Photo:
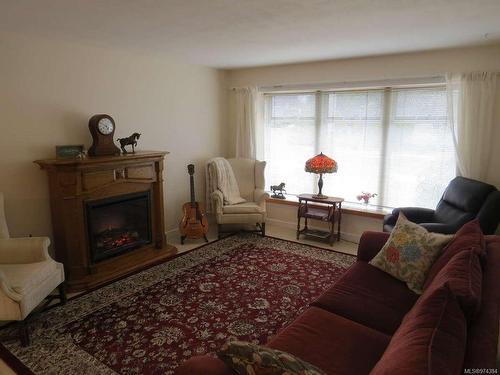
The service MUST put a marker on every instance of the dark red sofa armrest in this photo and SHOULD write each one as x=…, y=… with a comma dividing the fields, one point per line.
x=370, y=244
x=203, y=365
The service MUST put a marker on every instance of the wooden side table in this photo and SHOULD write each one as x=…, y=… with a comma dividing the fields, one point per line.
x=326, y=210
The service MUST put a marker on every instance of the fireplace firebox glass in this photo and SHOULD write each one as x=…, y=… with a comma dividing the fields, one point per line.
x=118, y=224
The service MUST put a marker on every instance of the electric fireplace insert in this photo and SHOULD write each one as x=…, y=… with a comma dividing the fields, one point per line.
x=118, y=224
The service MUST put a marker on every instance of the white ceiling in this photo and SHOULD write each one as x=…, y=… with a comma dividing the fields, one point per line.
x=242, y=33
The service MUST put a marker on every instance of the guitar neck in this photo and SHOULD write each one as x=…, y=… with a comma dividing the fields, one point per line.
x=191, y=184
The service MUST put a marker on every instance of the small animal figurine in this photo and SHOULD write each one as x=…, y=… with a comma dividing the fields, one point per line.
x=82, y=155
x=129, y=141
x=278, y=190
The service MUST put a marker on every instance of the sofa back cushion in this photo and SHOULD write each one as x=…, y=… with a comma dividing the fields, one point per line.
x=410, y=252
x=463, y=275
x=431, y=339
x=470, y=235
x=482, y=333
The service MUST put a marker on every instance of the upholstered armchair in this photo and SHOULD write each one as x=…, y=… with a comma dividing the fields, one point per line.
x=463, y=200
x=249, y=175
x=27, y=275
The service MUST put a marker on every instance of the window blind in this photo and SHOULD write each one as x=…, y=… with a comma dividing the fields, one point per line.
x=394, y=142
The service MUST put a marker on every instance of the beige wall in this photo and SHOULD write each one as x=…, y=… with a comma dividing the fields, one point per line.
x=49, y=90
x=406, y=65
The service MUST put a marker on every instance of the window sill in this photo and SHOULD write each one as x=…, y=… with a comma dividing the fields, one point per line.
x=349, y=208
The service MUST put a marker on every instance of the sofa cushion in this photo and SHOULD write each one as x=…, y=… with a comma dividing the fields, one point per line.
x=470, y=235
x=243, y=208
x=410, y=252
x=246, y=358
x=25, y=277
x=482, y=336
x=431, y=338
x=370, y=244
x=332, y=343
x=463, y=275
x=370, y=297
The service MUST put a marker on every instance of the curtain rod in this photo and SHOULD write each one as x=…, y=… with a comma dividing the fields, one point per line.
x=422, y=80
x=356, y=84
x=440, y=79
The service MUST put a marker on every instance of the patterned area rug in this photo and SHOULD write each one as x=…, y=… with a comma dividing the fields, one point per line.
x=243, y=287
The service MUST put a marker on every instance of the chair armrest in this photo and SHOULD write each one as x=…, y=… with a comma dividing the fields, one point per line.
x=7, y=290
x=370, y=244
x=390, y=220
x=218, y=201
x=24, y=250
x=414, y=214
x=203, y=365
x=260, y=196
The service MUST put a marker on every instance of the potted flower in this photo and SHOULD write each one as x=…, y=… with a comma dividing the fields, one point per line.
x=365, y=196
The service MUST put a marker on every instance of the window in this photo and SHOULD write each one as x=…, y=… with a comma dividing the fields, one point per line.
x=394, y=142
x=290, y=139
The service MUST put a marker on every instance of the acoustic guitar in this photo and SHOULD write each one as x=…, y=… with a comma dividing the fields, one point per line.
x=194, y=223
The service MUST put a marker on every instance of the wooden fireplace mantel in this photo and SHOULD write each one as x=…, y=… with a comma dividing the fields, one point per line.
x=74, y=182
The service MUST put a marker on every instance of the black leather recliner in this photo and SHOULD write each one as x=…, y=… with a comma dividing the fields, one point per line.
x=463, y=200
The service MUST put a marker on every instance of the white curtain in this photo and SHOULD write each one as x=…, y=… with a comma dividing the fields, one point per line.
x=471, y=103
x=247, y=115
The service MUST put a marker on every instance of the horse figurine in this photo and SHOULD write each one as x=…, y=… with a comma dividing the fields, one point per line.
x=280, y=188
x=132, y=141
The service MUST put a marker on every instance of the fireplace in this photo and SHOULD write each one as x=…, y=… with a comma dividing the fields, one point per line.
x=107, y=216
x=118, y=224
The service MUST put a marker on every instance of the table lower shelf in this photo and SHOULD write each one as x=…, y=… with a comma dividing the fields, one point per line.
x=329, y=213
x=316, y=233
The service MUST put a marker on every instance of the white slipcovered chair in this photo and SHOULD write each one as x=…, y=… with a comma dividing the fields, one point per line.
x=249, y=175
x=27, y=275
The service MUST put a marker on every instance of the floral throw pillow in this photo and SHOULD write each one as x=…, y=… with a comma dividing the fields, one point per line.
x=249, y=359
x=410, y=252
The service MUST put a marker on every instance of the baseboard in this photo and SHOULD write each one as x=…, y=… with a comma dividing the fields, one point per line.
x=169, y=232
x=350, y=237
x=281, y=223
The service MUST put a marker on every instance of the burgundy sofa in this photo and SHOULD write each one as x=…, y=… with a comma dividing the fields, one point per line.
x=347, y=329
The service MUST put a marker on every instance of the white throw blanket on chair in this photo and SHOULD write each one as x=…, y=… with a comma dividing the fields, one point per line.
x=221, y=176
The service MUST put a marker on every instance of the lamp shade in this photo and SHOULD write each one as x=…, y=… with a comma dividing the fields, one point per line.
x=321, y=164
